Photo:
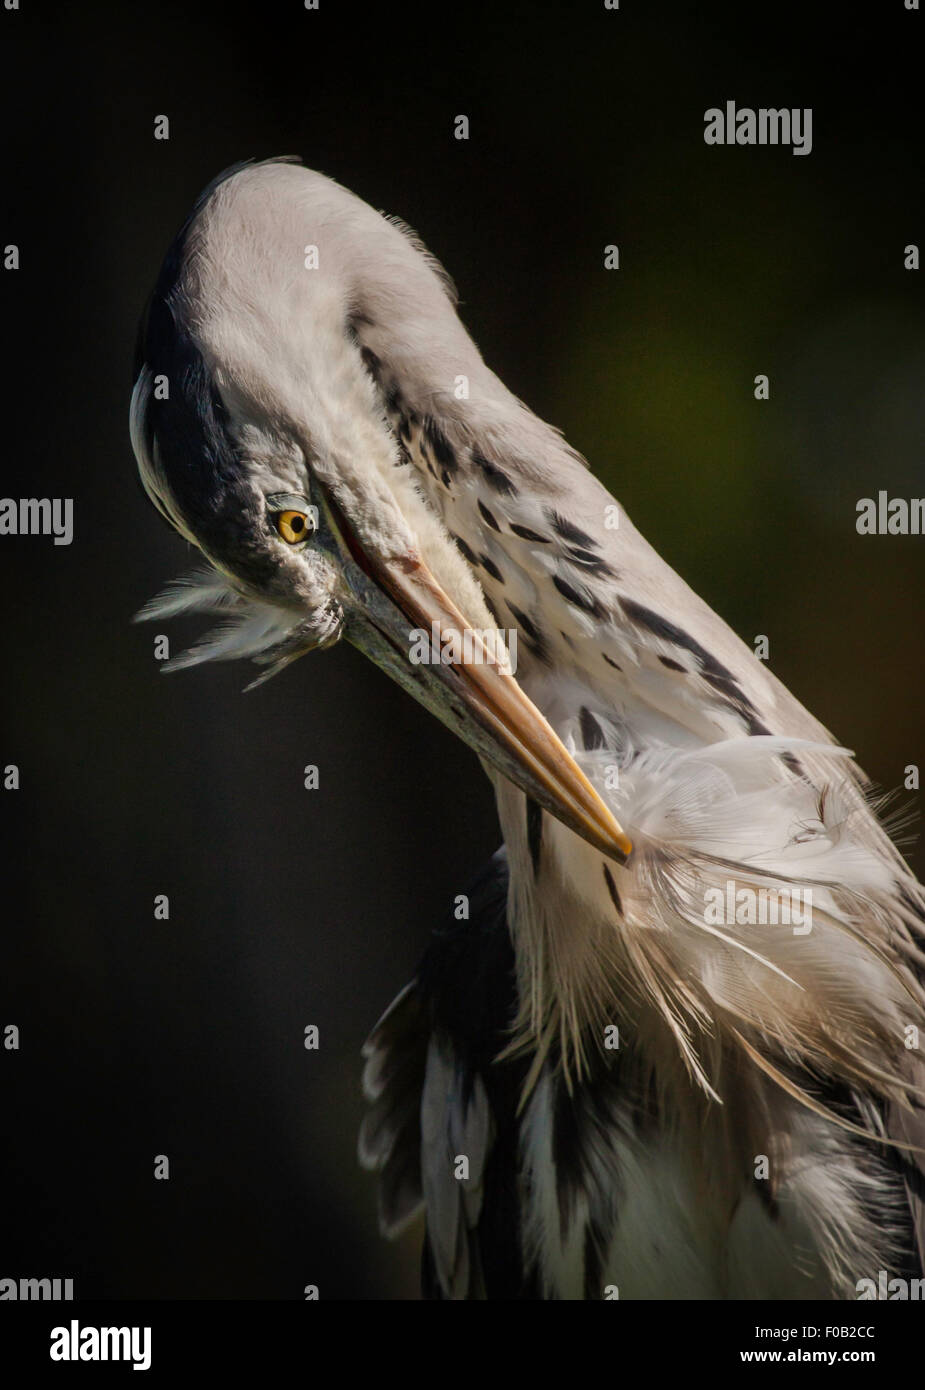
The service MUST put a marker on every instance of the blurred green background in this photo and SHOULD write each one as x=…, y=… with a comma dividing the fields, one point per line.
x=290, y=907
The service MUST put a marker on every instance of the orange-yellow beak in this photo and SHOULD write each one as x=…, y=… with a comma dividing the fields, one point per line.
x=474, y=694
x=492, y=695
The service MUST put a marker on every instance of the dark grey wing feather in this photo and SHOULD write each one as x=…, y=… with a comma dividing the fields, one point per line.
x=908, y=1126
x=390, y=1134
x=437, y=1096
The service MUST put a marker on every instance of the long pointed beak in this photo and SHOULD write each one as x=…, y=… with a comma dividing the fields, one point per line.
x=476, y=695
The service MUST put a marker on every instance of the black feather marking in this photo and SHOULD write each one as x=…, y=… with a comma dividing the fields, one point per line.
x=492, y=609
x=613, y=890
x=567, y=532
x=594, y=1262
x=726, y=684
x=531, y=631
x=491, y=568
x=529, y=626
x=466, y=550
x=661, y=627
x=534, y=831
x=610, y=662
x=441, y=446
x=372, y=362
x=486, y=514
x=526, y=534
x=713, y=671
x=670, y=662
x=581, y=1122
x=580, y=600
x=737, y=699
x=591, y=732
x=591, y=564
x=495, y=477
x=567, y=1155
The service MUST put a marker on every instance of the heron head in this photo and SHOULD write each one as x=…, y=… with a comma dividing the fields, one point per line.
x=262, y=435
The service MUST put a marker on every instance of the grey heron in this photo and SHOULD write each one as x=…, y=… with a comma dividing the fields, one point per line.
x=616, y=1077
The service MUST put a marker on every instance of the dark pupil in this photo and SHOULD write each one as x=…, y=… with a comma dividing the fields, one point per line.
x=296, y=523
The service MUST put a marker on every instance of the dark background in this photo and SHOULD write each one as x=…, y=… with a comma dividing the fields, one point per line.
x=290, y=907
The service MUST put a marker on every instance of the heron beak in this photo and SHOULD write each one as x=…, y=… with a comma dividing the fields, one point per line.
x=475, y=695
x=491, y=695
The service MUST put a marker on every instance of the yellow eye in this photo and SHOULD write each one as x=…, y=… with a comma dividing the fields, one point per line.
x=293, y=526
